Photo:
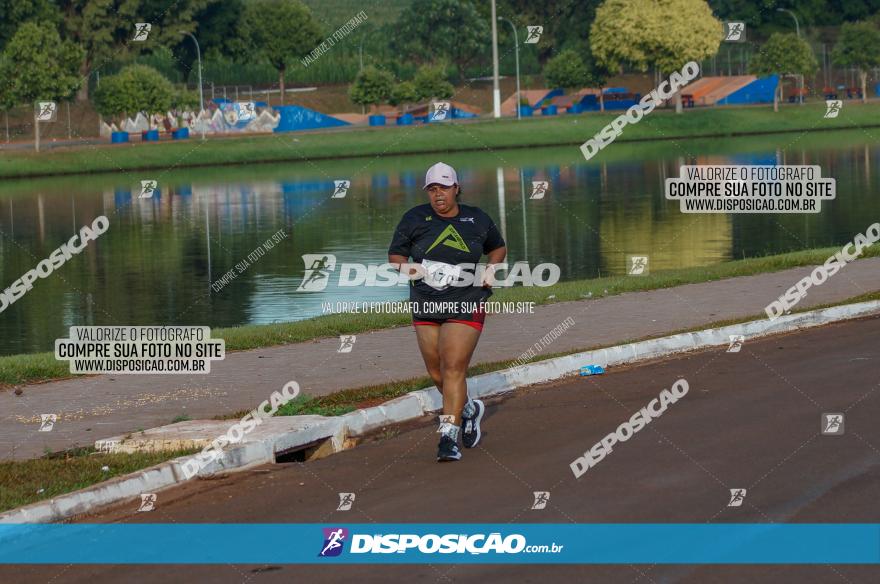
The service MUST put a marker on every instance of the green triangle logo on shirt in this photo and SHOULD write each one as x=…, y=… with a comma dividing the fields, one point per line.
x=451, y=238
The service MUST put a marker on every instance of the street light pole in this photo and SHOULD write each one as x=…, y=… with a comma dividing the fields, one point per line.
x=496, y=91
x=516, y=43
x=199, y=58
x=797, y=28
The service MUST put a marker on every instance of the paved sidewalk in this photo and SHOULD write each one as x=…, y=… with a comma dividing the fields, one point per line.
x=100, y=407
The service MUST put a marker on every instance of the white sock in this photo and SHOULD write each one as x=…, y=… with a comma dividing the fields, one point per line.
x=469, y=410
x=450, y=429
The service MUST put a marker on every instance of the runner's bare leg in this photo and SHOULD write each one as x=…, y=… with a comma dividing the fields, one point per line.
x=457, y=344
x=428, y=337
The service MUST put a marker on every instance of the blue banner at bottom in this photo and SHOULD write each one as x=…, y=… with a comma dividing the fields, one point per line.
x=415, y=543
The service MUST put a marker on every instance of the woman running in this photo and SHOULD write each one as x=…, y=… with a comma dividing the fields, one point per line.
x=441, y=236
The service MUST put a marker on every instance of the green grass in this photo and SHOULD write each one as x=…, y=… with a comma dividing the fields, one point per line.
x=31, y=368
x=28, y=481
x=443, y=137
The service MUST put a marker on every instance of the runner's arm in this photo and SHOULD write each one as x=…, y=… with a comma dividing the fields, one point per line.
x=401, y=263
x=496, y=256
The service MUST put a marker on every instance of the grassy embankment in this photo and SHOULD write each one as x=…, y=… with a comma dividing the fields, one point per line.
x=441, y=137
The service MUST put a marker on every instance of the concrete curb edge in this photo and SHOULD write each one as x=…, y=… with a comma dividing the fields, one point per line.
x=414, y=405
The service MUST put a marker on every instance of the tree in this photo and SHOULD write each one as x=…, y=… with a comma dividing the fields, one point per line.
x=105, y=28
x=13, y=13
x=37, y=66
x=566, y=70
x=283, y=31
x=403, y=93
x=371, y=87
x=598, y=76
x=222, y=34
x=429, y=30
x=136, y=88
x=858, y=46
x=562, y=22
x=664, y=34
x=430, y=82
x=185, y=99
x=784, y=54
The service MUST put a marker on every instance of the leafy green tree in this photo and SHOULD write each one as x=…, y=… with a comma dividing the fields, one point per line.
x=136, y=88
x=283, y=31
x=430, y=82
x=664, y=34
x=105, y=28
x=566, y=70
x=371, y=87
x=222, y=34
x=598, y=76
x=784, y=54
x=13, y=13
x=429, y=30
x=184, y=99
x=858, y=46
x=563, y=22
x=37, y=65
x=403, y=93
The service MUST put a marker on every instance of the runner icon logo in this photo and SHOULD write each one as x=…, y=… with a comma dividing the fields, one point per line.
x=541, y=499
x=318, y=268
x=334, y=541
x=46, y=111
x=341, y=188
x=734, y=32
x=47, y=422
x=832, y=108
x=737, y=496
x=148, y=187
x=638, y=265
x=346, y=500
x=346, y=343
x=534, y=34
x=736, y=342
x=440, y=110
x=148, y=502
x=142, y=31
x=539, y=189
x=832, y=424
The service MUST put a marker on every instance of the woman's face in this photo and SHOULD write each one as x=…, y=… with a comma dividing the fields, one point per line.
x=442, y=198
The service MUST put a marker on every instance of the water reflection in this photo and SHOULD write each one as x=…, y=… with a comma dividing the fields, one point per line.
x=161, y=254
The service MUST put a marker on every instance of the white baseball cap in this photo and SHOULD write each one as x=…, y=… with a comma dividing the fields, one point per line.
x=441, y=174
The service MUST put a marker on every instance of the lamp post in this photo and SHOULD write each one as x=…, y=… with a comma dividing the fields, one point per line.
x=516, y=43
x=797, y=28
x=199, y=58
x=496, y=91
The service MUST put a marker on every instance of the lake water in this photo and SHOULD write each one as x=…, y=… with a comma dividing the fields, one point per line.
x=158, y=260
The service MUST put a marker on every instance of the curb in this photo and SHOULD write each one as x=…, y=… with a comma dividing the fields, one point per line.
x=336, y=430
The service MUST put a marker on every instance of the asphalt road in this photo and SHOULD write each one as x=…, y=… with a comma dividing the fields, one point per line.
x=750, y=420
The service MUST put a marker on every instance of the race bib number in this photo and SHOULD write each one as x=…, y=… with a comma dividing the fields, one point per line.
x=439, y=275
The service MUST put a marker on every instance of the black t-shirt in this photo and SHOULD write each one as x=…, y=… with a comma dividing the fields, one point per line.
x=424, y=235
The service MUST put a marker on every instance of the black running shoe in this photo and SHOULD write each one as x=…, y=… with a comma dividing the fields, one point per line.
x=470, y=427
x=448, y=450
